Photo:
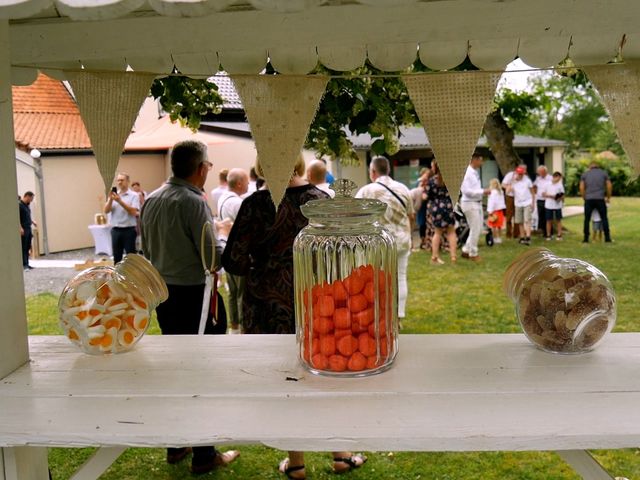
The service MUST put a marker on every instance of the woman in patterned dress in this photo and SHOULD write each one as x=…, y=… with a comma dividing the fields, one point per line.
x=440, y=208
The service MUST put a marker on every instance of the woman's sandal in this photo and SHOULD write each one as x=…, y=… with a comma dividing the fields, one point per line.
x=344, y=464
x=436, y=261
x=290, y=472
x=454, y=259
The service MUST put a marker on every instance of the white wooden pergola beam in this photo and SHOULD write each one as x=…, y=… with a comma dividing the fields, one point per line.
x=59, y=40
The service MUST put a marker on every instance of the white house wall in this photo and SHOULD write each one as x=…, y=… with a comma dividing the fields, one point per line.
x=27, y=181
x=75, y=193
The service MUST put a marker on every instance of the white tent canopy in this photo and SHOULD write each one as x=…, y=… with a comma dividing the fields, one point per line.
x=199, y=35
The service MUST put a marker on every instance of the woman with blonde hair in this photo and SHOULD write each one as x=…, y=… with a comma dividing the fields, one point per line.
x=495, y=209
x=260, y=246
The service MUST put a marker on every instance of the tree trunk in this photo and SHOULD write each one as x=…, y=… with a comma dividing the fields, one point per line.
x=500, y=139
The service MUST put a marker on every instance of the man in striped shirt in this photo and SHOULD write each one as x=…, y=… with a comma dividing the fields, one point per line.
x=397, y=218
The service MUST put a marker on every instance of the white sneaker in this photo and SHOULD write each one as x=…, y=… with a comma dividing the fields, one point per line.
x=497, y=240
x=235, y=331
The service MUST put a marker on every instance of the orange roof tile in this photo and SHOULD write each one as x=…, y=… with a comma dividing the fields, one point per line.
x=46, y=116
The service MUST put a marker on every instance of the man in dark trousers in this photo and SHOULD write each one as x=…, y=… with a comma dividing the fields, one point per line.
x=25, y=227
x=595, y=189
x=171, y=223
x=124, y=205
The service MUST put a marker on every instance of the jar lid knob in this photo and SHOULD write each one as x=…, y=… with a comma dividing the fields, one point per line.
x=343, y=187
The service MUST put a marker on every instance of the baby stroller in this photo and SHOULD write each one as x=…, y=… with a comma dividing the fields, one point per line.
x=462, y=227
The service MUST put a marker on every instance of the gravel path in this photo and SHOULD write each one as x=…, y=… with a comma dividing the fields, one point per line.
x=50, y=273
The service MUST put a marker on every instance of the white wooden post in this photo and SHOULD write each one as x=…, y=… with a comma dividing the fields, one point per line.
x=23, y=463
x=13, y=318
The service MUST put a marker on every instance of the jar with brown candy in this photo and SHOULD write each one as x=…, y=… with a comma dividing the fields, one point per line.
x=107, y=309
x=564, y=305
x=345, y=266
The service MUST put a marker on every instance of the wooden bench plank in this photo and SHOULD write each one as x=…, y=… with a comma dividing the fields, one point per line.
x=445, y=393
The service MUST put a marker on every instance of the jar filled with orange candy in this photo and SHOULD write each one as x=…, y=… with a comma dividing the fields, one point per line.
x=107, y=309
x=345, y=268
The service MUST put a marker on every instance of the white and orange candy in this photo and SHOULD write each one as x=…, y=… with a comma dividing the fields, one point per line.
x=102, y=317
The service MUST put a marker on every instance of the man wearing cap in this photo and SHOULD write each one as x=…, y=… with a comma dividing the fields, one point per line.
x=471, y=203
x=524, y=200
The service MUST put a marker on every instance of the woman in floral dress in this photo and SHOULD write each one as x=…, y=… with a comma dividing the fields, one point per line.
x=440, y=209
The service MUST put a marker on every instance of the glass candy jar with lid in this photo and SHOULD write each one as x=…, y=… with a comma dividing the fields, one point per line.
x=107, y=309
x=564, y=305
x=345, y=267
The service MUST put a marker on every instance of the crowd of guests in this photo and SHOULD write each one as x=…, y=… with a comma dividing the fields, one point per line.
x=253, y=241
x=515, y=207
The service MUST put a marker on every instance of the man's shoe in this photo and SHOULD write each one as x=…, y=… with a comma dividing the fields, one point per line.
x=475, y=259
x=219, y=460
x=176, y=455
x=608, y=240
x=465, y=255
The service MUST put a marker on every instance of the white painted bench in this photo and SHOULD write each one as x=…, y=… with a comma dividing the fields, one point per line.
x=444, y=393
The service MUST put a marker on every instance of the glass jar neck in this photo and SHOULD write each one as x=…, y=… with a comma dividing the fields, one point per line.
x=139, y=271
x=522, y=267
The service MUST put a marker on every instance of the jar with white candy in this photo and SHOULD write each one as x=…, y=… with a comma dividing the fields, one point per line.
x=107, y=309
x=564, y=305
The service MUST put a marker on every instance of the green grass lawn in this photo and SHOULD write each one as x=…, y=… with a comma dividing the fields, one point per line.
x=463, y=298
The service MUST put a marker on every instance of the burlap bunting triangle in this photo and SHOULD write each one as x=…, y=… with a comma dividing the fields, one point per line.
x=452, y=108
x=109, y=103
x=619, y=87
x=279, y=109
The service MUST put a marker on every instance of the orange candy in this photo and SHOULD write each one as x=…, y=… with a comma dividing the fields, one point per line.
x=322, y=325
x=354, y=283
x=325, y=306
x=340, y=293
x=337, y=363
x=357, y=303
x=382, y=281
x=327, y=345
x=341, y=332
x=366, y=272
x=319, y=361
x=382, y=329
x=357, y=362
x=374, y=362
x=344, y=331
x=347, y=345
x=364, y=318
x=320, y=290
x=366, y=344
x=368, y=292
x=342, y=318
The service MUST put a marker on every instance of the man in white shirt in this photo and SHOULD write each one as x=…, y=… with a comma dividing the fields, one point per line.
x=228, y=208
x=317, y=174
x=540, y=184
x=471, y=204
x=397, y=218
x=217, y=192
x=123, y=205
x=524, y=199
x=554, y=195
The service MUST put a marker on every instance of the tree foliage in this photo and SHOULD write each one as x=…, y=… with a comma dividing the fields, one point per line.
x=360, y=103
x=564, y=108
x=186, y=99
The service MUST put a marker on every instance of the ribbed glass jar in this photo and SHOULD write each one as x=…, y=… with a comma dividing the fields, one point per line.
x=107, y=309
x=345, y=269
x=564, y=305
